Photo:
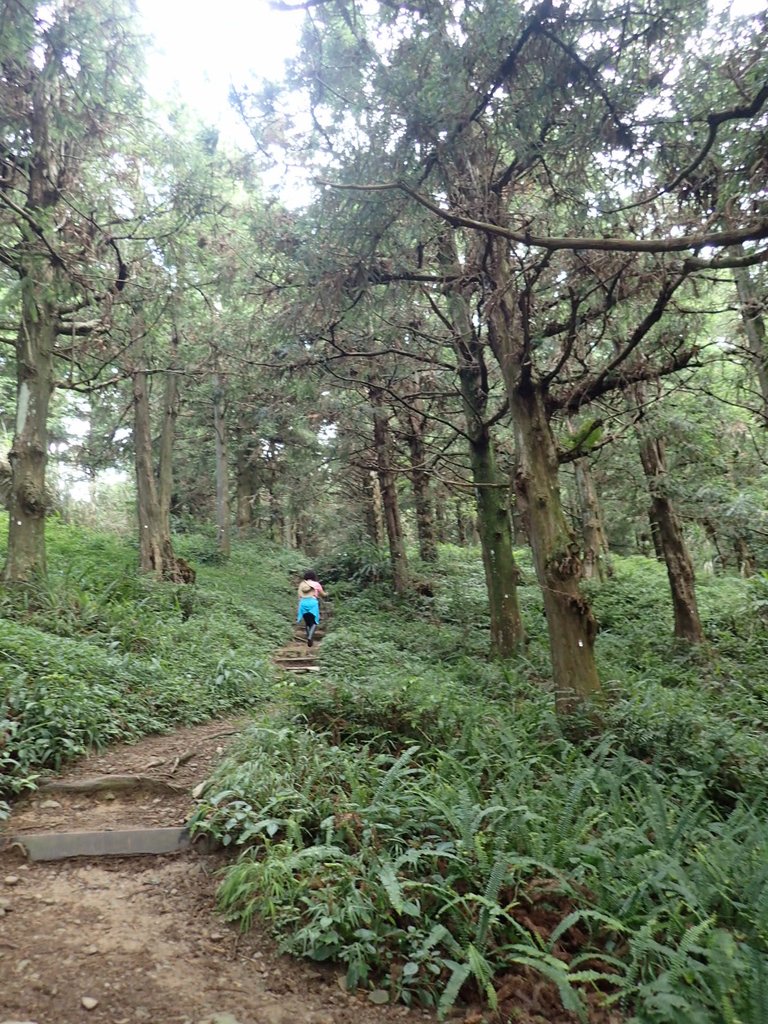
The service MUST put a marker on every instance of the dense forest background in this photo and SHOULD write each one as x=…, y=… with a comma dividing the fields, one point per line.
x=493, y=359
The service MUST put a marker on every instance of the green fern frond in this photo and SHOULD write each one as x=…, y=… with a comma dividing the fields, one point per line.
x=397, y=771
x=459, y=974
x=388, y=878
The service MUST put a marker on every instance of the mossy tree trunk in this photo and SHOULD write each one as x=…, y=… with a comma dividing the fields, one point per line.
x=671, y=540
x=246, y=489
x=595, y=558
x=441, y=521
x=373, y=507
x=28, y=457
x=414, y=426
x=495, y=530
x=556, y=553
x=222, y=467
x=387, y=482
x=156, y=555
x=494, y=524
x=365, y=494
x=571, y=624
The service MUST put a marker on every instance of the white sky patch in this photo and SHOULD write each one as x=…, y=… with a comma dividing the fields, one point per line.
x=82, y=488
x=201, y=52
x=76, y=426
x=737, y=8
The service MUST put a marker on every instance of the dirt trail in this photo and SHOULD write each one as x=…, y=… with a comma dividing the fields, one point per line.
x=136, y=940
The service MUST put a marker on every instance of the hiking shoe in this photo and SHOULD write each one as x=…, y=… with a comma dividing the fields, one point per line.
x=309, y=641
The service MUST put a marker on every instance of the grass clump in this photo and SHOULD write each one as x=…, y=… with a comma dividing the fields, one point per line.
x=419, y=816
x=99, y=653
x=417, y=813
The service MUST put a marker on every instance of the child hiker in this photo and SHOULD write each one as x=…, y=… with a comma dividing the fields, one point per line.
x=310, y=589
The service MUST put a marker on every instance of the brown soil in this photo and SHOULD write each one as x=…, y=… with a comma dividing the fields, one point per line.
x=140, y=935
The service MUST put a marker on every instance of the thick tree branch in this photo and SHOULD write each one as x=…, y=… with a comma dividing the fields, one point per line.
x=726, y=262
x=714, y=121
x=681, y=243
x=25, y=215
x=620, y=379
x=78, y=329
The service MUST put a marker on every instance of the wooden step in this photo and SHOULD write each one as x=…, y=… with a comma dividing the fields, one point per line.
x=294, y=663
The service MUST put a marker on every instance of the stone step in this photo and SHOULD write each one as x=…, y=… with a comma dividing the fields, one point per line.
x=123, y=842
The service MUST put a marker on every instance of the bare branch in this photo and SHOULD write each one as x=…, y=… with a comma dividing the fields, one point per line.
x=680, y=243
x=605, y=383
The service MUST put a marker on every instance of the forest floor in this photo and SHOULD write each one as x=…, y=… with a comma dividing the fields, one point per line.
x=136, y=940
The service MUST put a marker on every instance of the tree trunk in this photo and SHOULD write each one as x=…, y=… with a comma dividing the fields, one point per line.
x=441, y=524
x=654, y=532
x=495, y=529
x=246, y=489
x=754, y=328
x=425, y=520
x=570, y=622
x=222, y=468
x=595, y=559
x=274, y=509
x=461, y=524
x=168, y=433
x=289, y=531
x=521, y=530
x=155, y=548
x=494, y=524
x=744, y=557
x=373, y=507
x=40, y=285
x=28, y=457
x=305, y=534
x=386, y=477
x=152, y=546
x=719, y=561
x=670, y=534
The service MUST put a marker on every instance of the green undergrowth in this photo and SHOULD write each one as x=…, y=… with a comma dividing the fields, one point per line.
x=418, y=814
x=98, y=653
